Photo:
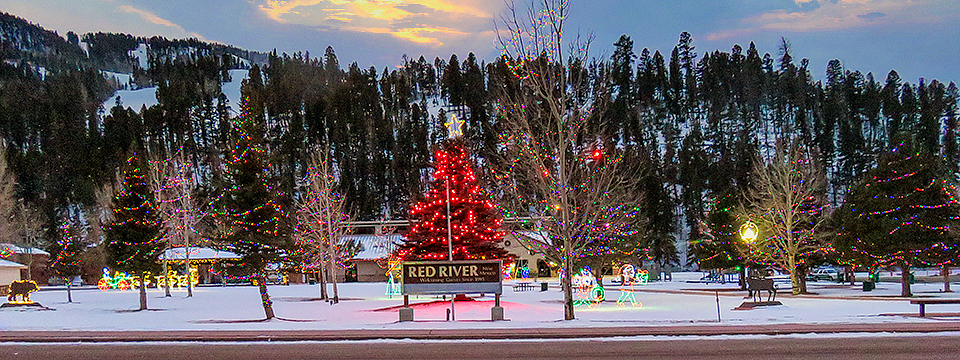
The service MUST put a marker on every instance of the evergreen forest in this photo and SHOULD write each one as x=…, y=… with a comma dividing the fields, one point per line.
x=697, y=122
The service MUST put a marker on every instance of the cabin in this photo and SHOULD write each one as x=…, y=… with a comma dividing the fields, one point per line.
x=33, y=260
x=9, y=272
x=372, y=262
x=202, y=258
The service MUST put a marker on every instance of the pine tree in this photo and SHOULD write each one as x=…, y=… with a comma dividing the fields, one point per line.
x=929, y=127
x=719, y=246
x=474, y=220
x=134, y=238
x=453, y=83
x=951, y=152
x=692, y=158
x=254, y=224
x=890, y=99
x=900, y=212
x=657, y=208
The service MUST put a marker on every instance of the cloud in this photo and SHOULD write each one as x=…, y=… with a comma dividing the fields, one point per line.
x=416, y=8
x=836, y=15
x=153, y=18
x=431, y=22
x=872, y=16
x=807, y=6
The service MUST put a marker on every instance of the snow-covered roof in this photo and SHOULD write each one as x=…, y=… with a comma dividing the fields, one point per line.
x=11, y=264
x=22, y=250
x=533, y=235
x=375, y=246
x=197, y=253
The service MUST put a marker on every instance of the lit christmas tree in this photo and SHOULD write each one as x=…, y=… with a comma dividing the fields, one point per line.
x=904, y=212
x=718, y=249
x=249, y=208
x=134, y=240
x=67, y=252
x=474, y=220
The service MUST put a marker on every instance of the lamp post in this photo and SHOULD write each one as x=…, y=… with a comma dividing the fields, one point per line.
x=454, y=130
x=748, y=232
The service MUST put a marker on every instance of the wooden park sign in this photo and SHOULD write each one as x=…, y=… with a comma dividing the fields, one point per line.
x=452, y=277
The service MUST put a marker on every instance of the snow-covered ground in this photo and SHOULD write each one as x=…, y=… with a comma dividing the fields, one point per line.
x=147, y=97
x=364, y=306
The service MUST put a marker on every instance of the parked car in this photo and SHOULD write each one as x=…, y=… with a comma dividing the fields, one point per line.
x=828, y=274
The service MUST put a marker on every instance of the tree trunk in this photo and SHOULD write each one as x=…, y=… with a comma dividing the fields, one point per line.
x=336, y=294
x=794, y=282
x=322, y=276
x=166, y=277
x=333, y=255
x=802, y=278
x=186, y=254
x=265, y=297
x=567, y=286
x=799, y=279
x=905, y=279
x=143, y=292
x=189, y=279
x=743, y=278
x=69, y=295
x=851, y=275
x=945, y=271
x=29, y=260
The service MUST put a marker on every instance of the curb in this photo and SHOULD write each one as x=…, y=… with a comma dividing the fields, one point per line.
x=466, y=334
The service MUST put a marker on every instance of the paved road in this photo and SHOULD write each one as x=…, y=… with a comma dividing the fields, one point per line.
x=931, y=326
x=781, y=348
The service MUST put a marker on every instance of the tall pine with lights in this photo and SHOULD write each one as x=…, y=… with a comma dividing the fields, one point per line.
x=134, y=240
x=904, y=212
x=718, y=249
x=249, y=209
x=474, y=220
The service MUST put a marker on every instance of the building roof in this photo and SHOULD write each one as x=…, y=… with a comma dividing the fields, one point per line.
x=197, y=253
x=375, y=246
x=22, y=250
x=11, y=264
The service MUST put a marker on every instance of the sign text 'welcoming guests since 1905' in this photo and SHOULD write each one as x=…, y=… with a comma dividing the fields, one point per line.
x=452, y=277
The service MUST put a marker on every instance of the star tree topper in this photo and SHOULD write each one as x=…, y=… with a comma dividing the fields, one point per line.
x=454, y=127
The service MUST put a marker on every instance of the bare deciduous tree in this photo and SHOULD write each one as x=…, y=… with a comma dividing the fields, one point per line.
x=174, y=182
x=556, y=168
x=786, y=201
x=321, y=223
x=9, y=228
x=20, y=223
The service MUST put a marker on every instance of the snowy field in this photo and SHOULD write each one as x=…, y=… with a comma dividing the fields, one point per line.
x=364, y=306
x=147, y=97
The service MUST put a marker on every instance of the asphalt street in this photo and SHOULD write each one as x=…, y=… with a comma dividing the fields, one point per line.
x=783, y=348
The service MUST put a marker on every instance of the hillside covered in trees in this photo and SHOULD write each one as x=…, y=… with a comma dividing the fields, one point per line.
x=696, y=121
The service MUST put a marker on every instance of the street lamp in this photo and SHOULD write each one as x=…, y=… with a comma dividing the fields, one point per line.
x=749, y=232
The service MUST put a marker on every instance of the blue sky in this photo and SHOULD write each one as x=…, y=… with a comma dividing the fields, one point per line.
x=918, y=38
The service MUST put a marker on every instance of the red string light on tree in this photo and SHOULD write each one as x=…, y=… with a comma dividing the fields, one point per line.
x=475, y=221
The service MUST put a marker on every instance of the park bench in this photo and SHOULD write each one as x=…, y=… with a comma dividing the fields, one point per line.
x=924, y=302
x=523, y=287
x=755, y=285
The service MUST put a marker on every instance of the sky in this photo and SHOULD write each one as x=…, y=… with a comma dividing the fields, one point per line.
x=918, y=38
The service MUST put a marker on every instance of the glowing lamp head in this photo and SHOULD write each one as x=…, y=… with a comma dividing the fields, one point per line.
x=749, y=232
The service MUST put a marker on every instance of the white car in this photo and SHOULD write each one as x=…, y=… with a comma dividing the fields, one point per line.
x=827, y=274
